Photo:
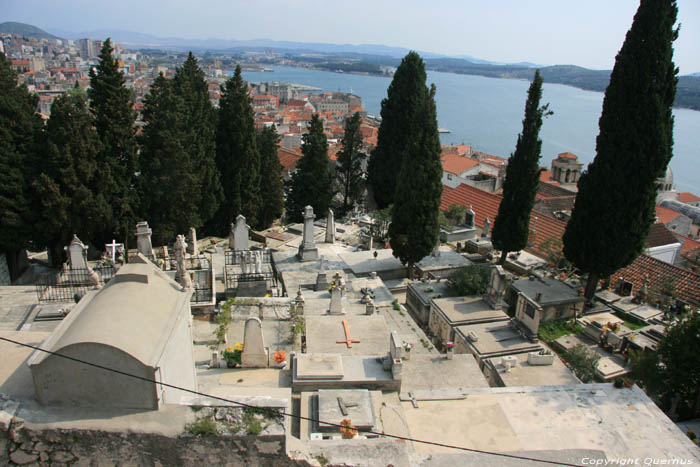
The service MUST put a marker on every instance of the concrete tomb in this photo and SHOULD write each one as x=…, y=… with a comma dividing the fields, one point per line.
x=240, y=234
x=254, y=352
x=330, y=227
x=77, y=253
x=319, y=366
x=307, y=249
x=497, y=287
x=334, y=405
x=143, y=239
x=348, y=341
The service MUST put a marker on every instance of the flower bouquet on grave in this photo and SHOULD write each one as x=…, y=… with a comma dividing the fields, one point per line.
x=280, y=356
x=347, y=429
x=232, y=355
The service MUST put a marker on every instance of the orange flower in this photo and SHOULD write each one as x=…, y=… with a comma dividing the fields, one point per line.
x=347, y=429
x=280, y=356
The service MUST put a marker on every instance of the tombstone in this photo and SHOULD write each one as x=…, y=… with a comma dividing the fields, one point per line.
x=396, y=349
x=307, y=249
x=469, y=217
x=369, y=307
x=497, y=286
x=321, y=281
x=300, y=298
x=182, y=276
x=487, y=227
x=114, y=248
x=231, y=240
x=643, y=292
x=143, y=239
x=254, y=354
x=240, y=234
x=77, y=253
x=624, y=288
x=192, y=247
x=338, y=298
x=330, y=227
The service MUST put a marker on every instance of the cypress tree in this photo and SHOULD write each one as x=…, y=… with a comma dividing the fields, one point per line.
x=405, y=99
x=414, y=225
x=512, y=227
x=272, y=196
x=350, y=162
x=312, y=183
x=111, y=106
x=199, y=137
x=68, y=198
x=237, y=154
x=169, y=180
x=19, y=128
x=614, y=207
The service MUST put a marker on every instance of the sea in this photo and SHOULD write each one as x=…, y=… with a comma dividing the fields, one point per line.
x=487, y=114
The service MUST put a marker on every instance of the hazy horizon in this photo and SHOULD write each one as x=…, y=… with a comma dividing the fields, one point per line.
x=549, y=32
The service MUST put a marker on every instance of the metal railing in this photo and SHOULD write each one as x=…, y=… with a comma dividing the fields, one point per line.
x=66, y=285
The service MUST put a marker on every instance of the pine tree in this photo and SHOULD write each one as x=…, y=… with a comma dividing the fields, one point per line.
x=614, y=207
x=272, y=196
x=512, y=226
x=169, y=180
x=67, y=194
x=199, y=137
x=19, y=128
x=312, y=183
x=350, y=162
x=399, y=127
x=414, y=225
x=237, y=155
x=111, y=106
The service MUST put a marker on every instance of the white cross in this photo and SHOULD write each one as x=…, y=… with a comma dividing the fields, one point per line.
x=114, y=250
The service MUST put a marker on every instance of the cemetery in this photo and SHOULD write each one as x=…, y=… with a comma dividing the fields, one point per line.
x=305, y=321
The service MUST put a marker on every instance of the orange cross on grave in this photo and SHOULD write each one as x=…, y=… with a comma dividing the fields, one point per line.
x=347, y=340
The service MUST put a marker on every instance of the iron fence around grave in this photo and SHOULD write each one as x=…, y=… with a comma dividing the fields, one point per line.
x=233, y=257
x=203, y=292
x=232, y=279
x=65, y=285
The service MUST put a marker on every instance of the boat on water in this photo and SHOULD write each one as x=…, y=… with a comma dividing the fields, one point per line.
x=444, y=130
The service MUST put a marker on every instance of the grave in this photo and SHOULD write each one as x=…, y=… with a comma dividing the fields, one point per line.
x=330, y=227
x=143, y=240
x=498, y=284
x=460, y=232
x=326, y=334
x=335, y=405
x=254, y=352
x=338, y=296
x=307, y=249
x=77, y=253
x=114, y=250
x=313, y=366
x=240, y=234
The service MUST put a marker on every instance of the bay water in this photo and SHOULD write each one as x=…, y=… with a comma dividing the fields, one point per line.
x=487, y=113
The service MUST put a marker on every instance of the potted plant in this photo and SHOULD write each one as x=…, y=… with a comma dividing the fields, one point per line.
x=280, y=358
x=407, y=350
x=450, y=350
x=232, y=355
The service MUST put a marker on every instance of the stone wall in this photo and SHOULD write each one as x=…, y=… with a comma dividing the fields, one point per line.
x=4, y=271
x=21, y=444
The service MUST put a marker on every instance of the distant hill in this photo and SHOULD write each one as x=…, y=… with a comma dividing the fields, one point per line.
x=26, y=30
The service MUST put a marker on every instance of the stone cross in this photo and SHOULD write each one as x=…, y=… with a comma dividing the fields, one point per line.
x=77, y=254
x=307, y=250
x=240, y=234
x=487, y=227
x=143, y=239
x=113, y=248
x=254, y=353
x=348, y=341
x=192, y=247
x=182, y=276
x=330, y=227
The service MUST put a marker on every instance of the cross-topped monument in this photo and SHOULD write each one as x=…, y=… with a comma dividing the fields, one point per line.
x=307, y=249
x=348, y=341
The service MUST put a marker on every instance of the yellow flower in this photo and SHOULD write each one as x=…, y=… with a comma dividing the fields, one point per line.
x=238, y=346
x=228, y=349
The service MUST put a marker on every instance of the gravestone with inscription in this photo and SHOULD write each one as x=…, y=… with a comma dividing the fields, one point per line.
x=240, y=234
x=254, y=353
x=143, y=239
x=330, y=227
x=77, y=253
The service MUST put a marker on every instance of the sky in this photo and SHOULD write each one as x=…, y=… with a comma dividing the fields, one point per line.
x=546, y=32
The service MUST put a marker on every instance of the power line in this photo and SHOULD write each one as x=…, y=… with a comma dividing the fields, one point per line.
x=285, y=414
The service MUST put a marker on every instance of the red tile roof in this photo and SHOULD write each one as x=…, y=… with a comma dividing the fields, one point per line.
x=486, y=204
x=659, y=235
x=288, y=157
x=456, y=164
x=687, y=283
x=545, y=177
x=689, y=244
x=686, y=197
x=567, y=155
x=666, y=215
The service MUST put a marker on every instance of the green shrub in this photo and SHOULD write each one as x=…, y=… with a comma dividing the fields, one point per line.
x=204, y=427
x=582, y=361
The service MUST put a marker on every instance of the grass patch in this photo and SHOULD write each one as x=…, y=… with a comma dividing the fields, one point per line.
x=204, y=427
x=630, y=322
x=321, y=459
x=196, y=408
x=253, y=424
x=549, y=332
